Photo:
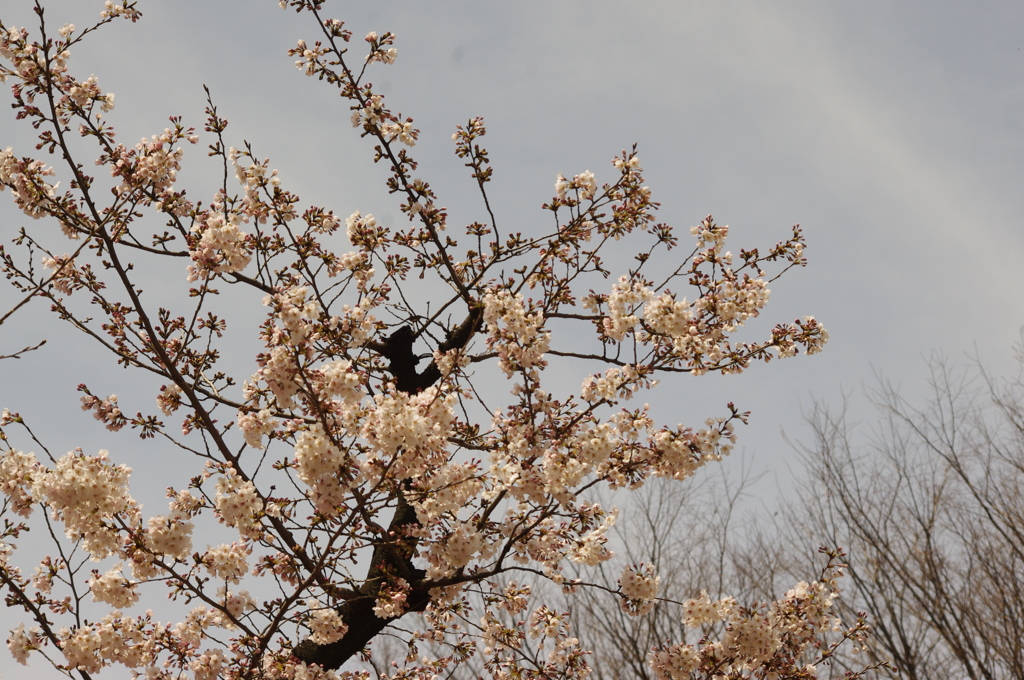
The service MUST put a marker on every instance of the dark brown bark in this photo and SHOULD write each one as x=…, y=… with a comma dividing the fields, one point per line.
x=397, y=349
x=392, y=556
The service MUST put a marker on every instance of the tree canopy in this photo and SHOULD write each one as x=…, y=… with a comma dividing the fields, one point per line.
x=394, y=462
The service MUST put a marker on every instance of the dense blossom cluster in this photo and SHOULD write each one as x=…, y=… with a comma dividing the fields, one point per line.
x=757, y=642
x=114, y=589
x=25, y=180
x=366, y=471
x=639, y=586
x=115, y=639
x=22, y=642
x=17, y=470
x=238, y=503
x=227, y=562
x=325, y=624
x=321, y=465
x=85, y=493
x=169, y=535
x=105, y=411
x=153, y=163
x=220, y=248
x=515, y=332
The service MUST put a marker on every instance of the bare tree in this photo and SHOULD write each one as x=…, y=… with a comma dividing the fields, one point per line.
x=929, y=506
x=705, y=535
x=686, y=530
x=931, y=512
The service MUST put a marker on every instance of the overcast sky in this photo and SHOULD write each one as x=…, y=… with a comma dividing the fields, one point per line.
x=892, y=132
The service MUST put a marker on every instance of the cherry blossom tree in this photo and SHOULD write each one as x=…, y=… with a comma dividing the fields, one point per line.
x=369, y=480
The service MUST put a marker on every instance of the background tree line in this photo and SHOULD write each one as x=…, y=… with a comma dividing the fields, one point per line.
x=927, y=501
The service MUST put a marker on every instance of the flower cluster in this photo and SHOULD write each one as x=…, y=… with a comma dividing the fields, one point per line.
x=584, y=185
x=169, y=535
x=253, y=177
x=233, y=606
x=255, y=426
x=227, y=562
x=115, y=639
x=63, y=268
x=639, y=587
x=772, y=641
x=364, y=232
x=460, y=546
x=409, y=432
x=125, y=9
x=18, y=470
x=379, y=50
x=515, y=333
x=324, y=468
x=24, y=177
x=152, y=165
x=238, y=504
x=309, y=57
x=220, y=247
x=392, y=600
x=703, y=610
x=20, y=643
x=113, y=588
x=681, y=452
x=209, y=665
x=626, y=296
x=105, y=411
x=293, y=311
x=448, y=488
x=169, y=399
x=616, y=383
x=84, y=493
x=696, y=335
x=325, y=624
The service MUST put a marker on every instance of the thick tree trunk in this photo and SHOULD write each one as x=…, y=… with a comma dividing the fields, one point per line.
x=393, y=556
